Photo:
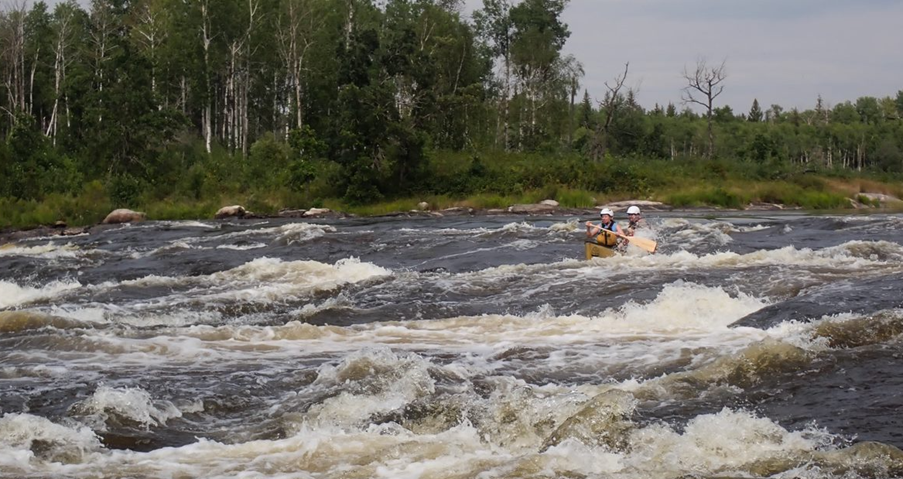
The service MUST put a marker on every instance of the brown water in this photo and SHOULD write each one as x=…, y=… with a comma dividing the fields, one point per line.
x=475, y=347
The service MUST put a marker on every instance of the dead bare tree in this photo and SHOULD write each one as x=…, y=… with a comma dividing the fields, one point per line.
x=703, y=86
x=610, y=106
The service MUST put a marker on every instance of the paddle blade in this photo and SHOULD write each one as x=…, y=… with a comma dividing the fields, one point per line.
x=644, y=243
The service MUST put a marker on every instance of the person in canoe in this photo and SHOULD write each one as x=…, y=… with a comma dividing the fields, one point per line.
x=635, y=221
x=608, y=224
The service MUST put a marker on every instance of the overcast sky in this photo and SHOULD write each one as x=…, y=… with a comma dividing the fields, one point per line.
x=779, y=51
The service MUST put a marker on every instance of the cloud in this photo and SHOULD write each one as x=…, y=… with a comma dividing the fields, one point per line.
x=784, y=52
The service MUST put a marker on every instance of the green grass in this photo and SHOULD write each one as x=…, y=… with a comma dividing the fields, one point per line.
x=576, y=199
x=456, y=179
x=707, y=196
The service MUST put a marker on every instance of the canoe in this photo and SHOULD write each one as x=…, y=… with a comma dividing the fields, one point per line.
x=597, y=250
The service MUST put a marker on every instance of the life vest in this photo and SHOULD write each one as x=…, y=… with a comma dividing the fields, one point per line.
x=605, y=238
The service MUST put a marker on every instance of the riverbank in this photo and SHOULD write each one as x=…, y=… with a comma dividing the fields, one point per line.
x=64, y=216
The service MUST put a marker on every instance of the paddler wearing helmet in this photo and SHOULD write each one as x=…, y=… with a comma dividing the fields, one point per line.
x=635, y=221
x=608, y=224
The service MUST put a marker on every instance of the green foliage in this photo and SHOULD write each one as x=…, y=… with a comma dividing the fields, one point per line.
x=268, y=162
x=575, y=198
x=378, y=108
x=124, y=190
x=868, y=201
x=709, y=196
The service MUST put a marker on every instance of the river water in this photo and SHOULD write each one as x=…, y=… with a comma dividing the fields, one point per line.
x=459, y=347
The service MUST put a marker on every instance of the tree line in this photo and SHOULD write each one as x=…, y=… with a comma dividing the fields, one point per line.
x=356, y=99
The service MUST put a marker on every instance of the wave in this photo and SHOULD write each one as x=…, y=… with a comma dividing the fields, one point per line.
x=680, y=309
x=291, y=233
x=12, y=294
x=849, y=255
x=242, y=247
x=24, y=437
x=45, y=251
x=597, y=437
x=114, y=407
x=18, y=321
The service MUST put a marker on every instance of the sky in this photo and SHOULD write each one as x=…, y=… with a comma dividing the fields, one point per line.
x=784, y=52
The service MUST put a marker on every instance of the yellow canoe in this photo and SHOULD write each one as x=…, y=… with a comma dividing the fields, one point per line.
x=594, y=249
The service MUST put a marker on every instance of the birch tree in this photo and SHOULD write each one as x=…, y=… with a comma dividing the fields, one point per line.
x=63, y=51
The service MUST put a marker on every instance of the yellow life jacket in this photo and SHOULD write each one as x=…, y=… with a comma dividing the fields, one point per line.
x=607, y=238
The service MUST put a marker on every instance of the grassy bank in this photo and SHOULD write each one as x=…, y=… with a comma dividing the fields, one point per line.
x=497, y=181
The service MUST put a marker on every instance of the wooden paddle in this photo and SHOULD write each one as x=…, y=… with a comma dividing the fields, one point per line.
x=644, y=243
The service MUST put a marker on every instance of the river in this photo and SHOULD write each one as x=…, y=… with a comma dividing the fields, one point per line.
x=749, y=345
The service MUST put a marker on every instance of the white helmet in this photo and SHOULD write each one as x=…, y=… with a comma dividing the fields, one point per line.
x=633, y=210
x=607, y=211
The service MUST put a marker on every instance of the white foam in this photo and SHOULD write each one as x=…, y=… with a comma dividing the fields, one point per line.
x=304, y=275
x=134, y=404
x=388, y=381
x=689, y=233
x=11, y=294
x=750, y=229
x=242, y=247
x=850, y=255
x=727, y=443
x=721, y=443
x=189, y=224
x=18, y=432
x=45, y=251
x=291, y=232
x=567, y=227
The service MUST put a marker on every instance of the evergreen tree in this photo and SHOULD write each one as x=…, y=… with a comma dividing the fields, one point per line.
x=587, y=113
x=755, y=113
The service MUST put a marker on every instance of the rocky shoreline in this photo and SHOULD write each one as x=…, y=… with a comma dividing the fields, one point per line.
x=544, y=208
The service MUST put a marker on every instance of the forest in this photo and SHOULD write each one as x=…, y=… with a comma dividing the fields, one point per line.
x=180, y=106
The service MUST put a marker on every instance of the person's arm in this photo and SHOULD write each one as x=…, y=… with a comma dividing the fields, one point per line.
x=618, y=228
x=591, y=229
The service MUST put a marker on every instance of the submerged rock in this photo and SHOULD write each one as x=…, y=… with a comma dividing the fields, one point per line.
x=603, y=421
x=290, y=213
x=531, y=209
x=849, y=296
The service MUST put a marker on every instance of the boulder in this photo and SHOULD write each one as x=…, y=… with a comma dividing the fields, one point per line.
x=640, y=203
x=549, y=202
x=124, y=215
x=879, y=197
x=290, y=213
x=423, y=205
x=231, y=211
x=316, y=212
x=760, y=206
x=74, y=231
x=530, y=209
